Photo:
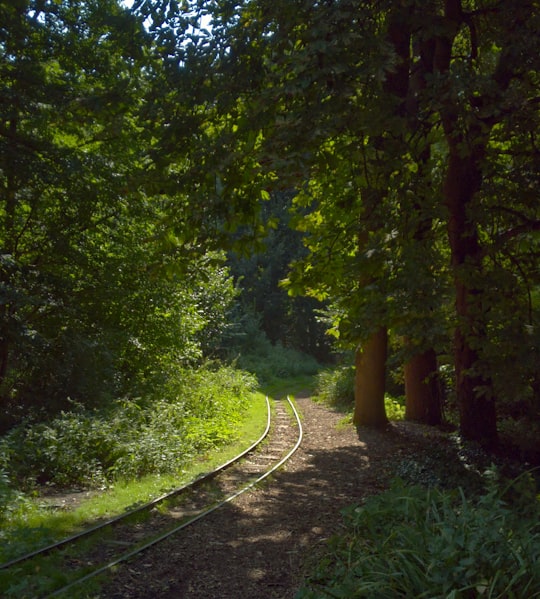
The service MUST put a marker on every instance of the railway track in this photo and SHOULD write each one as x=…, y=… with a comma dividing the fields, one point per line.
x=97, y=550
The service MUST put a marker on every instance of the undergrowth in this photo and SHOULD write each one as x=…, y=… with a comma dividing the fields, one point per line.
x=196, y=411
x=412, y=541
x=335, y=387
x=270, y=362
x=32, y=522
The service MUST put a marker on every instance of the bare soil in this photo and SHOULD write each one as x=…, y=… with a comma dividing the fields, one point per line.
x=261, y=545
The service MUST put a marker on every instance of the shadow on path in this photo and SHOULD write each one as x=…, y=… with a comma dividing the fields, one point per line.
x=255, y=547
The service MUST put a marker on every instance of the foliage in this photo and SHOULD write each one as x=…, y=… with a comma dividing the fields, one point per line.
x=251, y=350
x=135, y=142
x=336, y=388
x=68, y=151
x=198, y=410
x=292, y=321
x=31, y=523
x=394, y=407
x=400, y=126
x=99, y=291
x=12, y=501
x=414, y=542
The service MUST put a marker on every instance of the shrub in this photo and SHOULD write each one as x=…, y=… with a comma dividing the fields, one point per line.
x=336, y=386
x=395, y=407
x=417, y=542
x=270, y=362
x=195, y=411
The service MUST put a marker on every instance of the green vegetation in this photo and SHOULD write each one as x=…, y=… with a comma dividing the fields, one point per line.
x=397, y=129
x=224, y=182
x=335, y=387
x=29, y=523
x=274, y=362
x=415, y=542
x=200, y=410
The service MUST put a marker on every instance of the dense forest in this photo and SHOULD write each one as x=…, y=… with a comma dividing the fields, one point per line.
x=190, y=185
x=117, y=257
x=205, y=191
x=147, y=152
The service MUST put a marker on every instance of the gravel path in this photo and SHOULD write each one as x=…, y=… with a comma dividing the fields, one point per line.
x=257, y=547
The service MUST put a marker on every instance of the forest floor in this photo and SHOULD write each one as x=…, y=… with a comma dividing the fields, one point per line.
x=261, y=545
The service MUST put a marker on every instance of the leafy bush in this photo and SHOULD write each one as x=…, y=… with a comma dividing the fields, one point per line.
x=268, y=362
x=197, y=410
x=336, y=386
x=395, y=407
x=417, y=542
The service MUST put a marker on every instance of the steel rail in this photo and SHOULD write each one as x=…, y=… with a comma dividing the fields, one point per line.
x=138, y=550
x=146, y=506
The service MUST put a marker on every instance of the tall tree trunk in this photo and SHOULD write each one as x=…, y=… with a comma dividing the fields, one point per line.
x=370, y=358
x=423, y=401
x=463, y=179
x=370, y=361
x=422, y=391
x=8, y=201
x=475, y=398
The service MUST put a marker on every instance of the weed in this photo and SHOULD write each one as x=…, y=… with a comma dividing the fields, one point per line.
x=418, y=542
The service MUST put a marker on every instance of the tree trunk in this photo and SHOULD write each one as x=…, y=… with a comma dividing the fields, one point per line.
x=8, y=202
x=422, y=391
x=370, y=358
x=421, y=386
x=475, y=398
x=369, y=384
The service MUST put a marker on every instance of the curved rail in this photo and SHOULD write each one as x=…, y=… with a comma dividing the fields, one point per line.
x=146, y=506
x=140, y=549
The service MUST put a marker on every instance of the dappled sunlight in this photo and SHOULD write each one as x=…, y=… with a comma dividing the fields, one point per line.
x=261, y=539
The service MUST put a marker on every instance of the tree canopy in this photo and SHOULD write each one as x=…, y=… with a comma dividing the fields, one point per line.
x=408, y=131
x=137, y=144
x=97, y=292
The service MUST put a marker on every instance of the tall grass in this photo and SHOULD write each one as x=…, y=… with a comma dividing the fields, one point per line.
x=425, y=543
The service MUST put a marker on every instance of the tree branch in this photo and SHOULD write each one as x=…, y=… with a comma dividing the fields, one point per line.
x=529, y=227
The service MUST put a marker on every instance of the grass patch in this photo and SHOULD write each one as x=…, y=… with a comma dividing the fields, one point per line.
x=32, y=525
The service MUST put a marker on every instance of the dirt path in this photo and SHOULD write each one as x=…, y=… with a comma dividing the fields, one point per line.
x=257, y=546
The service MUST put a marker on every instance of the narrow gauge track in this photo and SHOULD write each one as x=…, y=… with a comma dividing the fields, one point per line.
x=98, y=549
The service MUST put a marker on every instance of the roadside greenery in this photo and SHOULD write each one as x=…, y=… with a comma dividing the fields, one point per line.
x=415, y=542
x=32, y=520
x=199, y=409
